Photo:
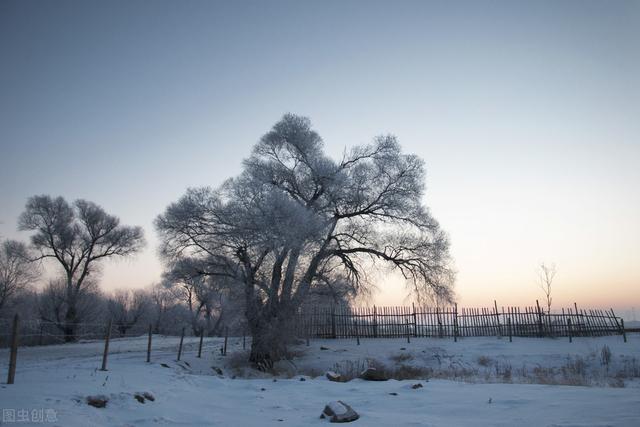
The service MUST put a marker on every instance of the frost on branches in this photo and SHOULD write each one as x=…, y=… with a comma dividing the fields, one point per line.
x=295, y=221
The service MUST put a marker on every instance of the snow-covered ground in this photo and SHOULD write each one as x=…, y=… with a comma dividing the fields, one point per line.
x=53, y=382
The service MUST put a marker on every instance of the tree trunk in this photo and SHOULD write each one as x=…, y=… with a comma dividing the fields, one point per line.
x=270, y=337
x=70, y=324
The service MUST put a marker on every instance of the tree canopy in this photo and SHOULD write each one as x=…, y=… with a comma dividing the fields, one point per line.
x=295, y=219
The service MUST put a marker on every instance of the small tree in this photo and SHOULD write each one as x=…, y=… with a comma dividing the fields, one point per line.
x=16, y=270
x=546, y=274
x=77, y=237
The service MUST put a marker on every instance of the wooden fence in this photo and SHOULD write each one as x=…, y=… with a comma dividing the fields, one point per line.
x=400, y=322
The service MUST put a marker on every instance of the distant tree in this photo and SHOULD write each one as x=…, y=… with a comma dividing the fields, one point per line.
x=162, y=302
x=126, y=307
x=77, y=237
x=546, y=274
x=53, y=306
x=206, y=297
x=295, y=218
x=16, y=270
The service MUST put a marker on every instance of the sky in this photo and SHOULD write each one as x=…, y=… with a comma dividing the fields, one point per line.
x=527, y=115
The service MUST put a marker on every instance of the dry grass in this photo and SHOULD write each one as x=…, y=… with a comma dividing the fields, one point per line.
x=484, y=361
x=401, y=357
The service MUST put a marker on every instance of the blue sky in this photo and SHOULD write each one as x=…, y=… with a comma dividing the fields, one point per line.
x=526, y=113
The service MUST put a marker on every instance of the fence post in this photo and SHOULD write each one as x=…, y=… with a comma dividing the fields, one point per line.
x=200, y=344
x=333, y=322
x=149, y=343
x=375, y=322
x=14, y=351
x=357, y=332
x=509, y=327
x=499, y=329
x=455, y=323
x=226, y=338
x=540, y=328
x=624, y=333
x=415, y=320
x=408, y=333
x=106, y=347
x=569, y=329
x=180, y=345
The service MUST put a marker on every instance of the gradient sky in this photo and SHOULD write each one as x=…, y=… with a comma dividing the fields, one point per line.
x=527, y=115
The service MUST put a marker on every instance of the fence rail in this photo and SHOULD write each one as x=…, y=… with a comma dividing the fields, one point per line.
x=400, y=322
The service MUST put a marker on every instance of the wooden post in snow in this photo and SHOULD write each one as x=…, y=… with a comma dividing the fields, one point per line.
x=509, y=327
x=106, y=347
x=415, y=320
x=499, y=328
x=569, y=328
x=624, y=333
x=408, y=333
x=149, y=344
x=375, y=322
x=540, y=329
x=200, y=345
x=180, y=345
x=455, y=324
x=14, y=351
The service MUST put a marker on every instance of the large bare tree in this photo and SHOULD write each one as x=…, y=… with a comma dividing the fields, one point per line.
x=16, y=270
x=295, y=219
x=77, y=236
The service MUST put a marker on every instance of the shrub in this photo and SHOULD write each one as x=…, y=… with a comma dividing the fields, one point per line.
x=484, y=361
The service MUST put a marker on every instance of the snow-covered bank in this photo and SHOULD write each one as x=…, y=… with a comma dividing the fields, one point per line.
x=59, y=378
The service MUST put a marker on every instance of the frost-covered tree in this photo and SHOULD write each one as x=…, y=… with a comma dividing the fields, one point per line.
x=16, y=270
x=77, y=237
x=208, y=298
x=126, y=308
x=53, y=306
x=162, y=303
x=295, y=219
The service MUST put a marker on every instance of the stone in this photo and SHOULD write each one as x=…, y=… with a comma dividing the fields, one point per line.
x=416, y=386
x=139, y=397
x=149, y=396
x=335, y=377
x=373, y=374
x=339, y=412
x=97, y=401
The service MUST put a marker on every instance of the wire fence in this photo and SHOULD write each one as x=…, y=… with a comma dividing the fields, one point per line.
x=334, y=322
